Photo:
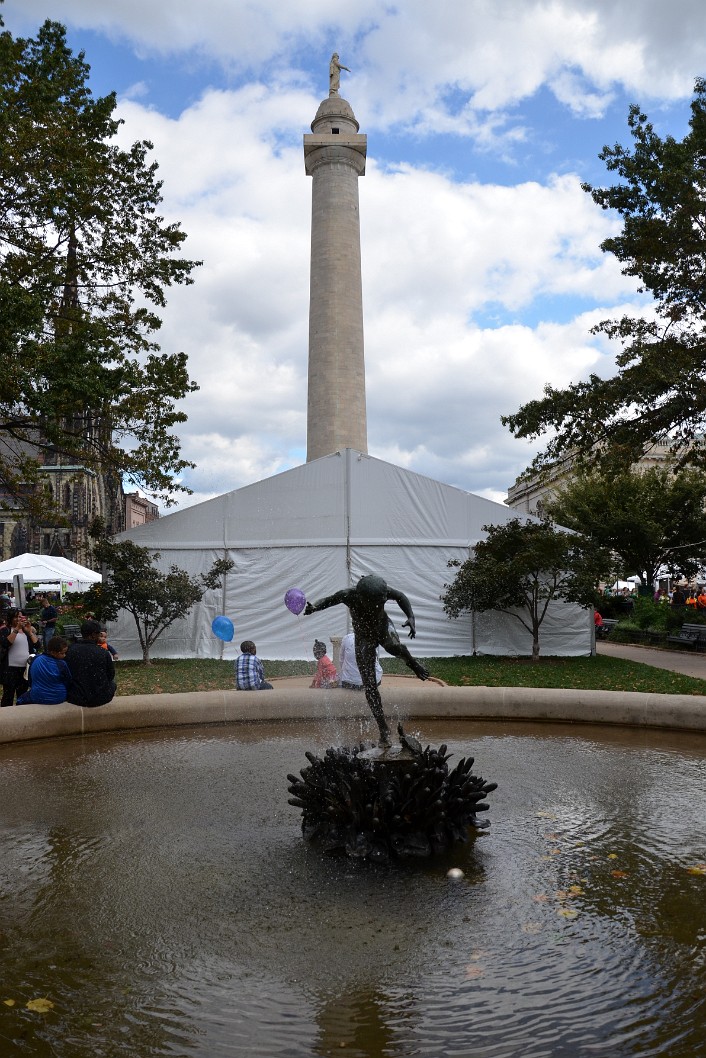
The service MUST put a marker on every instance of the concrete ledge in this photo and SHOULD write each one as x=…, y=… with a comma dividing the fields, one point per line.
x=407, y=699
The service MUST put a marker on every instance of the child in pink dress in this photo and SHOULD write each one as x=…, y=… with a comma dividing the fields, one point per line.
x=326, y=675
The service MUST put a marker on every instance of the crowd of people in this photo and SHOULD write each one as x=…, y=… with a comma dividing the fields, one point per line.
x=37, y=666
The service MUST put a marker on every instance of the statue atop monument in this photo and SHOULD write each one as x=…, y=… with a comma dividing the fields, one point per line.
x=334, y=74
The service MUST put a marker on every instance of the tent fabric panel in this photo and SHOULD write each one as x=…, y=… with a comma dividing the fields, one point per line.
x=253, y=600
x=567, y=631
x=389, y=503
x=300, y=505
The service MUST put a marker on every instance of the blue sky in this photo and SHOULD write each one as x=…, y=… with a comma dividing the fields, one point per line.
x=482, y=272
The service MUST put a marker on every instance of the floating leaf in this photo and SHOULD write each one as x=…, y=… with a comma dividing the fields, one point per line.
x=40, y=1006
x=561, y=894
x=619, y=874
x=612, y=855
x=567, y=912
x=532, y=928
x=576, y=890
x=546, y=815
x=700, y=868
x=473, y=972
x=540, y=898
x=9, y=1002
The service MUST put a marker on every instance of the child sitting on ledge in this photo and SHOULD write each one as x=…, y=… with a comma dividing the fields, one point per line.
x=326, y=675
x=249, y=673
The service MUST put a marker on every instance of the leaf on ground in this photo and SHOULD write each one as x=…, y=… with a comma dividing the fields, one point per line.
x=40, y=1006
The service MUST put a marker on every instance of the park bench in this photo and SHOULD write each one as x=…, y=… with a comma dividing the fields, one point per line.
x=71, y=631
x=607, y=626
x=692, y=636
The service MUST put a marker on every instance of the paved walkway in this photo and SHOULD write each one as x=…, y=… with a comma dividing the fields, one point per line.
x=688, y=663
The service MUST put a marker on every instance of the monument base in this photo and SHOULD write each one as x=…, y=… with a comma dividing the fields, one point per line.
x=381, y=804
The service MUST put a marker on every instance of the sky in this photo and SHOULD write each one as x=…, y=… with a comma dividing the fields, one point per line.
x=482, y=268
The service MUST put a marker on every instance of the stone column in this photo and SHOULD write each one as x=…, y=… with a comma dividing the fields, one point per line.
x=334, y=156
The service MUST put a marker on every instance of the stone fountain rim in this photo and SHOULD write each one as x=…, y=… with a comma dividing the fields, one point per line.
x=403, y=700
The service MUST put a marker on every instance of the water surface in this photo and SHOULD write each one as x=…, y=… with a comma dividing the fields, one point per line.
x=156, y=889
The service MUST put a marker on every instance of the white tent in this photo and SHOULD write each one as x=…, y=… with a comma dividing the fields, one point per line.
x=319, y=527
x=60, y=573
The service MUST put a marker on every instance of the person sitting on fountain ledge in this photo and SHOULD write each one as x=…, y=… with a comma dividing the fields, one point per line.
x=373, y=628
x=92, y=670
x=325, y=675
x=249, y=673
x=351, y=679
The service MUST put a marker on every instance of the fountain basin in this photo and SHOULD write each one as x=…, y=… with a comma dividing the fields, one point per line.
x=154, y=888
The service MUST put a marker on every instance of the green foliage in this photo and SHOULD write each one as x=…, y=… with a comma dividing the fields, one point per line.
x=658, y=391
x=520, y=568
x=649, y=519
x=657, y=617
x=154, y=598
x=85, y=260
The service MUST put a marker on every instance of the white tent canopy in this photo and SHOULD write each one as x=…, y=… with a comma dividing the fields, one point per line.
x=48, y=569
x=319, y=527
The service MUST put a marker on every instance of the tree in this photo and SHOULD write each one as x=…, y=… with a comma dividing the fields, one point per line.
x=659, y=391
x=649, y=518
x=85, y=260
x=520, y=568
x=155, y=599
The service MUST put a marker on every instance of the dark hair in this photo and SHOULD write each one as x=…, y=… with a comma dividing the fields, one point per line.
x=319, y=647
x=248, y=647
x=90, y=629
x=56, y=644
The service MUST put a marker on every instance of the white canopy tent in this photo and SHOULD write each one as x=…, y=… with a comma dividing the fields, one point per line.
x=48, y=571
x=319, y=527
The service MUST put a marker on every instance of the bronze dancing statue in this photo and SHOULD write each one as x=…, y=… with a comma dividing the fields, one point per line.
x=373, y=628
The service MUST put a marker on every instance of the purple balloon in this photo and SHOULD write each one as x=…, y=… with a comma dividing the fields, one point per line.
x=295, y=600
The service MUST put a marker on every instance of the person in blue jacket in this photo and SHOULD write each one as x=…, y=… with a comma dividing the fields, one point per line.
x=49, y=675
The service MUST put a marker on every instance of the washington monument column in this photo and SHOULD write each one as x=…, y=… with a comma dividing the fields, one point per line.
x=334, y=156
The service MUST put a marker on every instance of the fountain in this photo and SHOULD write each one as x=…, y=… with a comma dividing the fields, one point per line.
x=382, y=802
x=156, y=898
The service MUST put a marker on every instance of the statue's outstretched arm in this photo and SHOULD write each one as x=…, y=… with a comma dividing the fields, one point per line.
x=329, y=600
x=406, y=607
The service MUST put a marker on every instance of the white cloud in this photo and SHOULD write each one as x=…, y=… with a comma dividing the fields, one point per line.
x=407, y=58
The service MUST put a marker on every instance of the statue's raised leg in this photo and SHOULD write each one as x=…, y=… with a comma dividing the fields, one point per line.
x=365, y=658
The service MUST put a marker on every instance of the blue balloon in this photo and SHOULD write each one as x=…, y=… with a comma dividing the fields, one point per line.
x=223, y=628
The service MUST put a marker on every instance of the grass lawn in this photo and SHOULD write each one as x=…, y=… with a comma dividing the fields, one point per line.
x=596, y=673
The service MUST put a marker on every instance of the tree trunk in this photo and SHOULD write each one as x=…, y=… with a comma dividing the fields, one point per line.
x=535, y=641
